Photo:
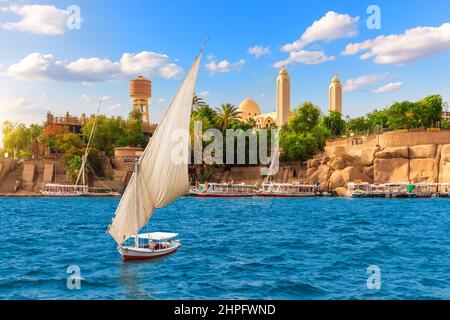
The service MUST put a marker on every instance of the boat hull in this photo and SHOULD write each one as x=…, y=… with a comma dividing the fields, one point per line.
x=132, y=254
x=285, y=195
x=220, y=195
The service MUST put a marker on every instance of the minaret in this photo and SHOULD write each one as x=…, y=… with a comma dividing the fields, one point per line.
x=283, y=97
x=335, y=95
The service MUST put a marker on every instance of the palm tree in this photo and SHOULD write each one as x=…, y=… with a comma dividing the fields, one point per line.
x=225, y=115
x=197, y=102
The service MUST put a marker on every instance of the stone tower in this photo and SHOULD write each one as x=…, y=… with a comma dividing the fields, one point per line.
x=140, y=92
x=283, y=97
x=335, y=95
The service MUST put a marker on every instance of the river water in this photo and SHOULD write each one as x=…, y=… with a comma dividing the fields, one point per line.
x=249, y=248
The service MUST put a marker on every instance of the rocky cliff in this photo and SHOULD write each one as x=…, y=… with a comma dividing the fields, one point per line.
x=418, y=163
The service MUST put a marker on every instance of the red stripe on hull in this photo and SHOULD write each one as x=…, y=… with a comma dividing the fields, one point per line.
x=135, y=258
x=210, y=195
x=286, y=195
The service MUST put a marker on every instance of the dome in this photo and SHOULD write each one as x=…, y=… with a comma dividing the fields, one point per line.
x=249, y=109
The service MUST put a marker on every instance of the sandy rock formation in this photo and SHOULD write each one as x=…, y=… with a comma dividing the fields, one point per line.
x=392, y=153
x=340, y=178
x=391, y=170
x=368, y=156
x=423, y=170
x=422, y=151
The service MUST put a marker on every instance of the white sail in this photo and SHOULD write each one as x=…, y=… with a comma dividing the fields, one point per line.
x=160, y=180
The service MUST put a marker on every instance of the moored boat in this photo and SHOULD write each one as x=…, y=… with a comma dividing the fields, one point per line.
x=223, y=190
x=287, y=190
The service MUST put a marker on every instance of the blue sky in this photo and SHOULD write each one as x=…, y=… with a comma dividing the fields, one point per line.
x=46, y=66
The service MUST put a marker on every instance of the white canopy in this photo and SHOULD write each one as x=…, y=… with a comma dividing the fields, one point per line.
x=158, y=236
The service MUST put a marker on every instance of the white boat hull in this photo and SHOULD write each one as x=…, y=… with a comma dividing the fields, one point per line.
x=133, y=253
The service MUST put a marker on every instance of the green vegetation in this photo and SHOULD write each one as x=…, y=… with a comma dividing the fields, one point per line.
x=306, y=132
x=425, y=113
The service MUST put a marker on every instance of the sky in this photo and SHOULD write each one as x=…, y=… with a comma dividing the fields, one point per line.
x=62, y=55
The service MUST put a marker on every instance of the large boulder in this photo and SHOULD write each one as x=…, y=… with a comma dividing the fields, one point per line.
x=314, y=178
x=445, y=153
x=368, y=156
x=422, y=151
x=444, y=172
x=313, y=163
x=310, y=171
x=393, y=153
x=391, y=170
x=423, y=170
x=324, y=172
x=444, y=164
x=338, y=163
x=341, y=178
x=369, y=171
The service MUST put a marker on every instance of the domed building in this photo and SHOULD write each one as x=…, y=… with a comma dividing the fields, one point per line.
x=249, y=109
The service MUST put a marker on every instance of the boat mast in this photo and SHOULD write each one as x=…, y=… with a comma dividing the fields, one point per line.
x=136, y=204
x=81, y=174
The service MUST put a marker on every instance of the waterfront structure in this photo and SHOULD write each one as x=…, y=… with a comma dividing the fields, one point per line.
x=140, y=92
x=249, y=109
x=335, y=95
x=74, y=124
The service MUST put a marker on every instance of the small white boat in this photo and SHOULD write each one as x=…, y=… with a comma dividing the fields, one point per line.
x=64, y=191
x=150, y=246
x=157, y=181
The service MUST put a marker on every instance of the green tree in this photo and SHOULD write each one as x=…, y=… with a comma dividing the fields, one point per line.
x=334, y=122
x=304, y=118
x=225, y=115
x=17, y=139
x=359, y=125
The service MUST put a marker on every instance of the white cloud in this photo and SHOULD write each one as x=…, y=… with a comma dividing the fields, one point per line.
x=88, y=97
x=37, y=19
x=258, y=51
x=389, y=87
x=410, y=46
x=223, y=66
x=203, y=94
x=355, y=83
x=305, y=57
x=161, y=100
x=330, y=27
x=147, y=62
x=38, y=66
x=15, y=104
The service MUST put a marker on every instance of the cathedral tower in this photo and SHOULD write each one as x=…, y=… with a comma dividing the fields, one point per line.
x=335, y=95
x=283, y=97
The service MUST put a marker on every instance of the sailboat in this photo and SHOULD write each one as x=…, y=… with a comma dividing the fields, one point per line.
x=80, y=188
x=157, y=181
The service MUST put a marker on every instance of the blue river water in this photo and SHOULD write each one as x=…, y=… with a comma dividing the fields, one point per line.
x=232, y=249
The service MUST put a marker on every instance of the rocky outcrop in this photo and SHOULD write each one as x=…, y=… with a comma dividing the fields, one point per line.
x=422, y=151
x=444, y=164
x=393, y=153
x=423, y=170
x=368, y=156
x=391, y=170
x=341, y=178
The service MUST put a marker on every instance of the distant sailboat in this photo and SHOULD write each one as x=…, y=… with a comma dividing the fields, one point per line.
x=156, y=182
